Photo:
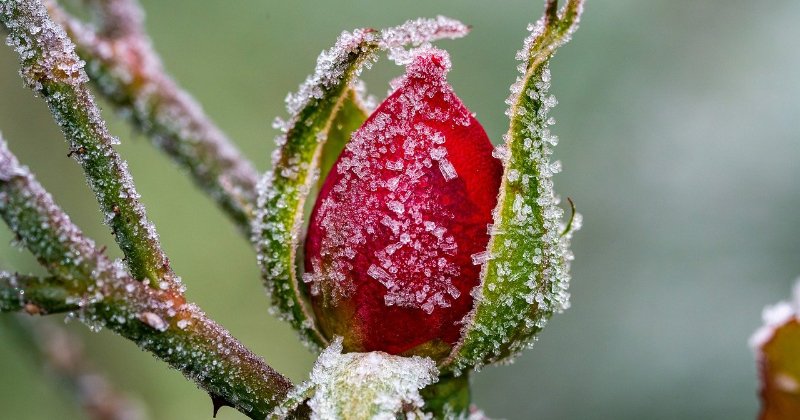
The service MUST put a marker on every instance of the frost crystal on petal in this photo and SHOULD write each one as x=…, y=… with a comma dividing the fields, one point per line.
x=368, y=385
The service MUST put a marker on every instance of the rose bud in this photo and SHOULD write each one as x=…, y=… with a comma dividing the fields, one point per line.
x=388, y=250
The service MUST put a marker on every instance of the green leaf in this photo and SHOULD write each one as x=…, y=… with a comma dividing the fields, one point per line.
x=323, y=109
x=525, y=271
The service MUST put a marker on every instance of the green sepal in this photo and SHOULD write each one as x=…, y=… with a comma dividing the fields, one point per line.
x=525, y=271
x=283, y=192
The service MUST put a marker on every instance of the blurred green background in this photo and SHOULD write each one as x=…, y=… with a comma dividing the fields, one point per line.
x=679, y=135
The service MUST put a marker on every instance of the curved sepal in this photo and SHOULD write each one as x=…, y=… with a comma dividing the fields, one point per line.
x=525, y=271
x=321, y=100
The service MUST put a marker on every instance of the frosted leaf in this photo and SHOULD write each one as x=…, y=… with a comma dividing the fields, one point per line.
x=371, y=385
x=526, y=278
x=417, y=32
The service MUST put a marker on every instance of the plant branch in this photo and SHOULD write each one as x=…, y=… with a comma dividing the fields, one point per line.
x=127, y=71
x=36, y=295
x=51, y=68
x=158, y=320
x=61, y=357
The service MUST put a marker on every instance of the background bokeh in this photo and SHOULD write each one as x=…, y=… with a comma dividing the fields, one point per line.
x=679, y=132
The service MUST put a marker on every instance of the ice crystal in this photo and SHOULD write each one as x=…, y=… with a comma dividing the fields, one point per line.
x=371, y=385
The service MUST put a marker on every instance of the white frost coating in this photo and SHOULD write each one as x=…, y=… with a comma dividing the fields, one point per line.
x=371, y=385
x=41, y=44
x=524, y=56
x=775, y=316
x=418, y=32
x=153, y=321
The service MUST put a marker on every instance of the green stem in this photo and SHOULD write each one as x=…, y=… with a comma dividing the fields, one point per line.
x=35, y=295
x=51, y=68
x=126, y=70
x=158, y=320
x=449, y=397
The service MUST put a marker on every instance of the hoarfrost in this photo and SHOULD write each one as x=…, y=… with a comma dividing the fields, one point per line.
x=372, y=385
x=153, y=321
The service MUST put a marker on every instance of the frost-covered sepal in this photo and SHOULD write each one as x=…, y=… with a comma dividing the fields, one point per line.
x=525, y=268
x=324, y=103
x=371, y=385
x=777, y=346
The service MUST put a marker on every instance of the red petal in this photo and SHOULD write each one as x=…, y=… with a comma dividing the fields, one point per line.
x=388, y=254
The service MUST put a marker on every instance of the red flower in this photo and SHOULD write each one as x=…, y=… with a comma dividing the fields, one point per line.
x=388, y=251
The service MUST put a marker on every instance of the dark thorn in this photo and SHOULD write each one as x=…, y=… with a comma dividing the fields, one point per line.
x=218, y=403
x=568, y=228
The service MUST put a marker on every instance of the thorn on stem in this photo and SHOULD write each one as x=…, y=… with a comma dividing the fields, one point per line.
x=568, y=228
x=218, y=403
x=551, y=11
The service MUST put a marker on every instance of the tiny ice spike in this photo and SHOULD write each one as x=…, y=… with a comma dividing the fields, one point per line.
x=389, y=251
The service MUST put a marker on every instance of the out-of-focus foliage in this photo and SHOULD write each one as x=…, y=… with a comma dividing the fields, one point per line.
x=679, y=139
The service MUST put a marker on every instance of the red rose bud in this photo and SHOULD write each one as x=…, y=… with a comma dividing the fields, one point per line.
x=388, y=256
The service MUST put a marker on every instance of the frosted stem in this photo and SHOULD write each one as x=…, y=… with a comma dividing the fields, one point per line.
x=449, y=397
x=35, y=295
x=103, y=294
x=60, y=356
x=126, y=70
x=52, y=69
